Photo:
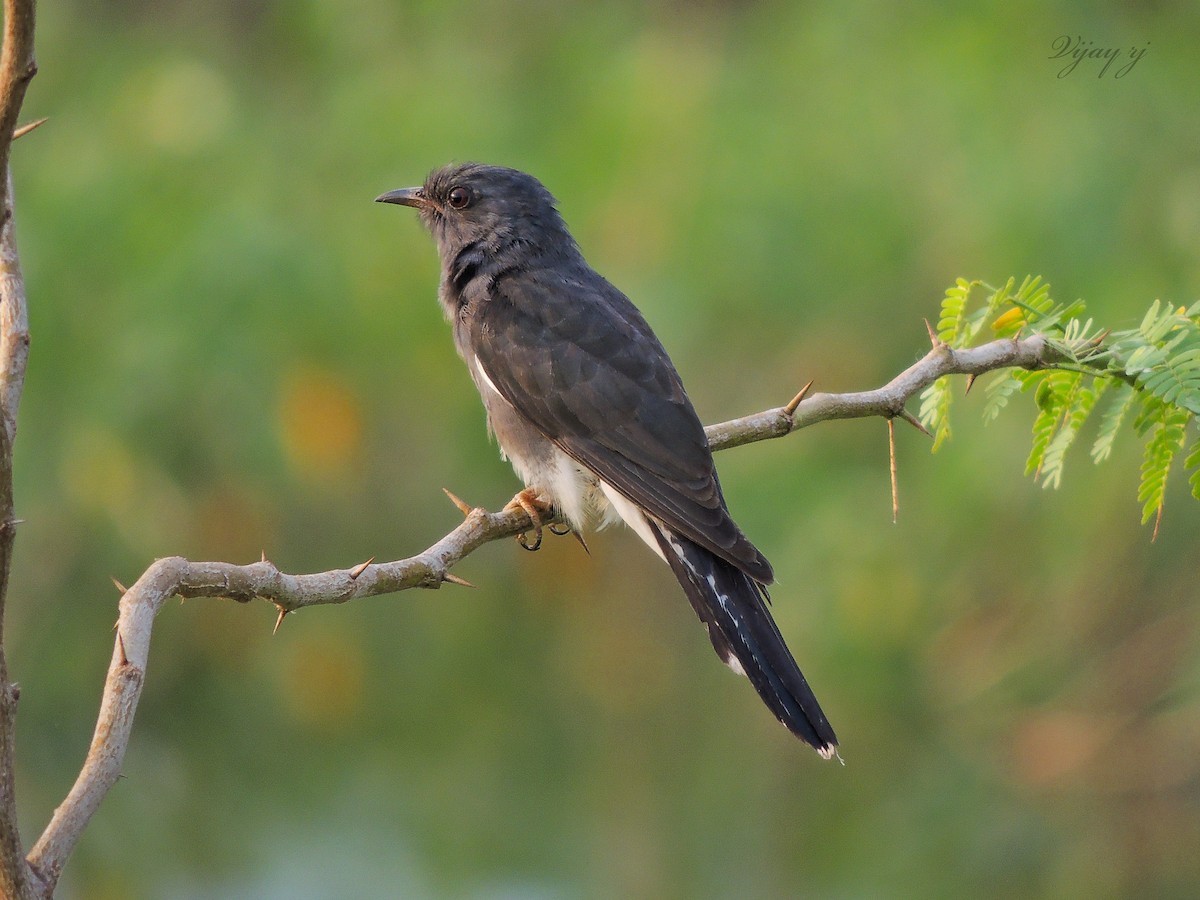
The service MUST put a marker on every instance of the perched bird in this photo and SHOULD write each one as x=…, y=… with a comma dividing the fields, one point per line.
x=585, y=403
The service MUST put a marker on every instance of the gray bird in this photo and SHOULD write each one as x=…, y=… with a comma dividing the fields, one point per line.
x=585, y=403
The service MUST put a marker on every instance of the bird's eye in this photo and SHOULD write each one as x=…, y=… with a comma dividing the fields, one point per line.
x=459, y=197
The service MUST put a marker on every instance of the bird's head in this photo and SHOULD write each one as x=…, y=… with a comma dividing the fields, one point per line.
x=491, y=205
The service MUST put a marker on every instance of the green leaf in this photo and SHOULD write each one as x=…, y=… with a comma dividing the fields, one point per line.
x=1152, y=373
x=1026, y=307
x=1149, y=414
x=1176, y=379
x=934, y=412
x=1192, y=461
x=1165, y=442
x=999, y=389
x=1149, y=321
x=1123, y=398
x=954, y=305
x=1034, y=297
x=1054, y=394
x=974, y=323
x=1078, y=407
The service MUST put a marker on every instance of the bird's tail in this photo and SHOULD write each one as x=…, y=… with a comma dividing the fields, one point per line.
x=731, y=605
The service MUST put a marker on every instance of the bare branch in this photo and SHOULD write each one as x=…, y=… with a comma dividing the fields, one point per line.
x=17, y=67
x=14, y=321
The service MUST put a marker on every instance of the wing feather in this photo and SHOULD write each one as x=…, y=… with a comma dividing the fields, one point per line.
x=574, y=356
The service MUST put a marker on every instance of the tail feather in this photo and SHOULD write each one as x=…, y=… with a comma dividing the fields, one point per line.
x=731, y=605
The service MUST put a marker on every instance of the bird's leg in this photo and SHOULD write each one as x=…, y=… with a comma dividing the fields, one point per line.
x=537, y=510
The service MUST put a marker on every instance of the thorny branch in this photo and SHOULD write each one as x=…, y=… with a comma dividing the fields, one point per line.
x=175, y=576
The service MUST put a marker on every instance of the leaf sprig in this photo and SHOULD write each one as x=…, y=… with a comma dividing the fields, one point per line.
x=1151, y=371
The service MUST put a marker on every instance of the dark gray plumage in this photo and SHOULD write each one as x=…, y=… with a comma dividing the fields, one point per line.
x=586, y=404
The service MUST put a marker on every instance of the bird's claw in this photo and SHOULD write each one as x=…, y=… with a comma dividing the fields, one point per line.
x=527, y=501
x=523, y=539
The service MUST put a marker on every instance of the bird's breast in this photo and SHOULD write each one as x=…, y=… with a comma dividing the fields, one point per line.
x=537, y=460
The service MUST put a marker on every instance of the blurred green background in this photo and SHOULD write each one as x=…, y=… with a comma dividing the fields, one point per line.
x=235, y=351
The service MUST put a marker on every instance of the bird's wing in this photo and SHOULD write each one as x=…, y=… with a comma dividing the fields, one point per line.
x=574, y=356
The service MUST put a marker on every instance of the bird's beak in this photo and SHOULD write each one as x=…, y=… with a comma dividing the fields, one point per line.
x=413, y=196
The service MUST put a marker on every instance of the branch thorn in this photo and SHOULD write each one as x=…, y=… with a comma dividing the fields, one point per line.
x=462, y=505
x=933, y=338
x=970, y=383
x=892, y=460
x=790, y=409
x=360, y=568
x=120, y=587
x=451, y=578
x=283, y=611
x=121, y=650
x=913, y=421
x=28, y=127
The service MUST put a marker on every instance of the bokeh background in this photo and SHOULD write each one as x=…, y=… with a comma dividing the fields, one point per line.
x=235, y=351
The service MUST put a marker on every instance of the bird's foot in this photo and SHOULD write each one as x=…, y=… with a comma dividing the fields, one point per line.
x=537, y=510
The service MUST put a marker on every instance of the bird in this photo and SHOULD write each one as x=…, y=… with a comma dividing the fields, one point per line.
x=587, y=406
